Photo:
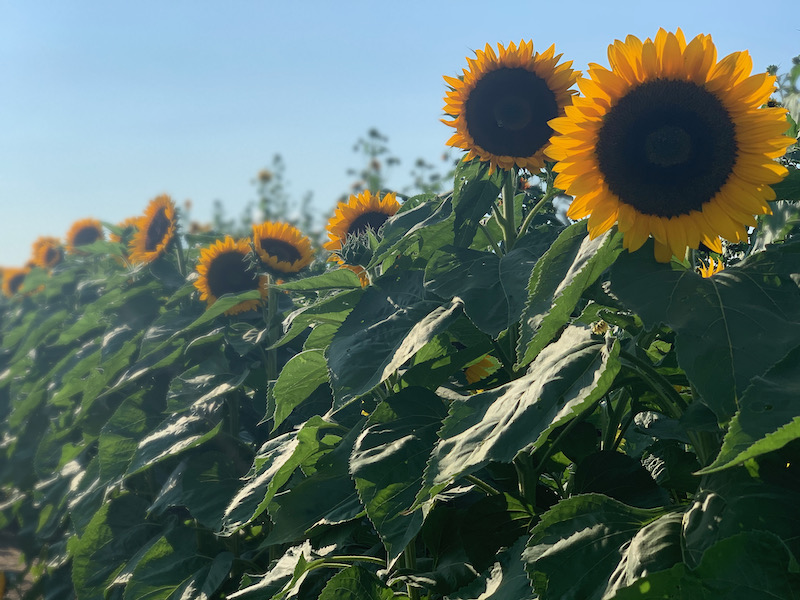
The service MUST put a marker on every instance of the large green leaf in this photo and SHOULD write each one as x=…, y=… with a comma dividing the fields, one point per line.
x=561, y=275
x=340, y=279
x=275, y=462
x=389, y=458
x=284, y=577
x=730, y=327
x=492, y=287
x=768, y=416
x=748, y=565
x=174, y=569
x=298, y=379
x=475, y=192
x=566, y=377
x=356, y=582
x=578, y=544
x=331, y=310
x=504, y=580
x=392, y=321
x=115, y=533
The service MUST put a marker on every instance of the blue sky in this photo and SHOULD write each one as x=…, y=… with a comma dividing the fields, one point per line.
x=104, y=105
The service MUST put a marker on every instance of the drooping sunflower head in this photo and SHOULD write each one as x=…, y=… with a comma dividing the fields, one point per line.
x=127, y=228
x=281, y=247
x=360, y=213
x=13, y=278
x=671, y=143
x=224, y=268
x=47, y=252
x=713, y=267
x=154, y=231
x=503, y=102
x=83, y=233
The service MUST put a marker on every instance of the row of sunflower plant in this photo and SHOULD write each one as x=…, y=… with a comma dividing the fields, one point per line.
x=489, y=399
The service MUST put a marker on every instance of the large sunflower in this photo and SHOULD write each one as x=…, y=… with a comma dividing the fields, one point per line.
x=13, y=278
x=224, y=269
x=47, y=252
x=360, y=213
x=282, y=247
x=671, y=143
x=503, y=102
x=154, y=231
x=83, y=233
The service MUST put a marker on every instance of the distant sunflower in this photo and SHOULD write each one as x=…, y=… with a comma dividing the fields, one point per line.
x=282, y=247
x=13, y=278
x=713, y=267
x=47, y=252
x=671, y=143
x=83, y=233
x=354, y=217
x=502, y=104
x=128, y=227
x=481, y=369
x=154, y=231
x=224, y=269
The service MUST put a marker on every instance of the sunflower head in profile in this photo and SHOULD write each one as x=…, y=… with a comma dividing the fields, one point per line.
x=503, y=102
x=359, y=214
x=83, y=233
x=13, y=278
x=671, y=143
x=281, y=247
x=127, y=228
x=713, y=267
x=154, y=231
x=224, y=268
x=47, y=252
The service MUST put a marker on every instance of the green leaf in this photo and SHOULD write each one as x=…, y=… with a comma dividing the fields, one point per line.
x=730, y=327
x=332, y=311
x=748, y=565
x=340, y=279
x=298, y=379
x=504, y=580
x=284, y=577
x=789, y=187
x=566, y=377
x=474, y=194
x=174, y=569
x=273, y=465
x=388, y=460
x=578, y=544
x=115, y=533
x=356, y=582
x=223, y=303
x=492, y=287
x=775, y=227
x=620, y=477
x=559, y=278
x=391, y=322
x=768, y=416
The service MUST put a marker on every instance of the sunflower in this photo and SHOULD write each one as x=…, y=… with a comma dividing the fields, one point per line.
x=282, y=247
x=13, y=278
x=360, y=213
x=47, y=252
x=480, y=369
x=83, y=233
x=224, y=269
x=502, y=104
x=671, y=143
x=154, y=231
x=128, y=227
x=713, y=267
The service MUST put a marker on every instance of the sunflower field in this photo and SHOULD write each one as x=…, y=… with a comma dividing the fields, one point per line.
x=477, y=394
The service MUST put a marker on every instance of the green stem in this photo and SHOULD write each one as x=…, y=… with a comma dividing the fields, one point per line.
x=671, y=401
x=272, y=309
x=548, y=195
x=562, y=434
x=485, y=231
x=410, y=562
x=509, y=226
x=179, y=254
x=482, y=485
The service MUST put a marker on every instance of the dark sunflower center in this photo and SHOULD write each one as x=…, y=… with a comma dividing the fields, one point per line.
x=52, y=255
x=369, y=220
x=508, y=110
x=283, y=251
x=228, y=274
x=87, y=235
x=16, y=282
x=667, y=147
x=159, y=225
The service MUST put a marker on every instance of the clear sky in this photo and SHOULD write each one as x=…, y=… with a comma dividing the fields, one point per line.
x=104, y=105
